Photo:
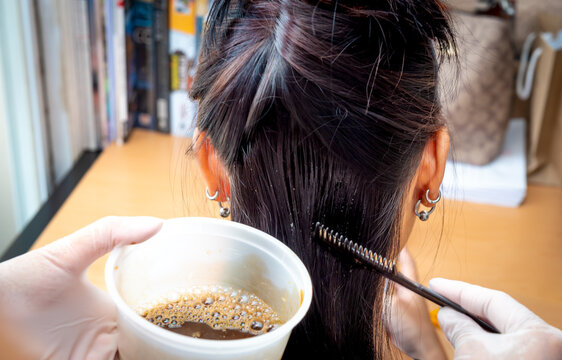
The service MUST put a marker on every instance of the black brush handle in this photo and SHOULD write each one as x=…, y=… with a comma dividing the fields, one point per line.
x=370, y=259
x=437, y=298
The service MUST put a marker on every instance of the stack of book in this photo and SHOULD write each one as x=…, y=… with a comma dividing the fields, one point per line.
x=144, y=56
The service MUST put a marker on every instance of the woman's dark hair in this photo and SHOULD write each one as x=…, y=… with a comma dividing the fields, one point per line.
x=319, y=111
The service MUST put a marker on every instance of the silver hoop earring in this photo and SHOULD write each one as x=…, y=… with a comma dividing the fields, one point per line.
x=432, y=201
x=223, y=211
x=209, y=195
x=424, y=215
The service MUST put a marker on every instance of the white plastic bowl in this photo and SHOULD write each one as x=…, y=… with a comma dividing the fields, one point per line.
x=189, y=252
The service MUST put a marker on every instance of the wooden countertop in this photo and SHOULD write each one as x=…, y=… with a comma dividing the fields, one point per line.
x=516, y=250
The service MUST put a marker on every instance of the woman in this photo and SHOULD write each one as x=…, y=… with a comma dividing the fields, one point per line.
x=309, y=111
x=325, y=111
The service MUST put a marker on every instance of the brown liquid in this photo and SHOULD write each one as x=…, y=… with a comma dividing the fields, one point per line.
x=204, y=331
x=216, y=313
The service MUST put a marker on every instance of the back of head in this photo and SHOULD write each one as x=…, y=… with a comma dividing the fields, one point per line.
x=320, y=110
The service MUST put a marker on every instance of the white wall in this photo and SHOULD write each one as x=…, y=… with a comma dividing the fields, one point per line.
x=24, y=184
x=7, y=203
x=46, y=103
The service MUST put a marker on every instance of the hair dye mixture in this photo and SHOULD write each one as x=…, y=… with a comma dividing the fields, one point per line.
x=216, y=313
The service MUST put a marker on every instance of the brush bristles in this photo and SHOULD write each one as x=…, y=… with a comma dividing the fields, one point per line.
x=338, y=240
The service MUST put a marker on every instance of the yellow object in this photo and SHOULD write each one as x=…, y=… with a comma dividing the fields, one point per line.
x=433, y=317
x=174, y=72
x=182, y=16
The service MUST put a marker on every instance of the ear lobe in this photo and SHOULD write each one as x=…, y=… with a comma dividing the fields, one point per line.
x=431, y=170
x=213, y=171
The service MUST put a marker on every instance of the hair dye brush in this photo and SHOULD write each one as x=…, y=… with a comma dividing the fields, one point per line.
x=387, y=268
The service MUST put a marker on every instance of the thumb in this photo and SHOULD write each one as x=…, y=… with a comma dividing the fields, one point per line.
x=456, y=326
x=77, y=251
x=497, y=307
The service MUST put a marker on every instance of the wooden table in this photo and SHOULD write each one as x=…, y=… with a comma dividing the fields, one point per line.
x=517, y=250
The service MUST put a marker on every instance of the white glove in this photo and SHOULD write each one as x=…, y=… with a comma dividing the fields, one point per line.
x=48, y=309
x=523, y=334
x=409, y=325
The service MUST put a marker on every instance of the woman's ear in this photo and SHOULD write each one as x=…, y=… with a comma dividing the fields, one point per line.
x=432, y=166
x=211, y=167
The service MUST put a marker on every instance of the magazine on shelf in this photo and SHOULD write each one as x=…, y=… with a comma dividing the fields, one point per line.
x=161, y=64
x=142, y=58
x=140, y=63
x=98, y=63
x=183, y=53
x=122, y=127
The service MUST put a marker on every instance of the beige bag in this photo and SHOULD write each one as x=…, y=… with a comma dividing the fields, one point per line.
x=476, y=93
x=540, y=80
